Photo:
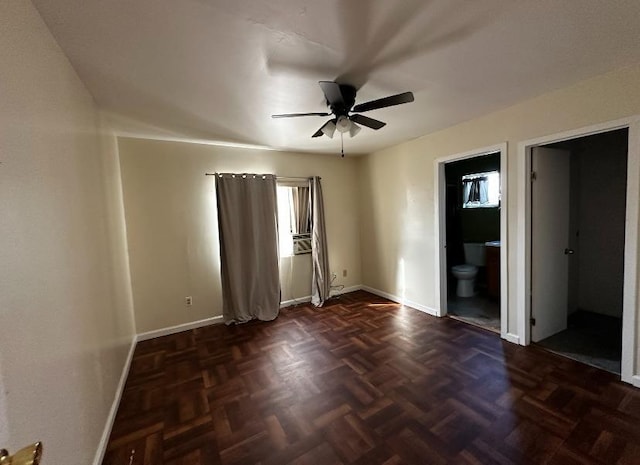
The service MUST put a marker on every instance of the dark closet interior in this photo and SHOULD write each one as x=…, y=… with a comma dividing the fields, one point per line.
x=598, y=184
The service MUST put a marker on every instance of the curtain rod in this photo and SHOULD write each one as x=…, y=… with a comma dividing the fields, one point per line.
x=292, y=178
x=284, y=178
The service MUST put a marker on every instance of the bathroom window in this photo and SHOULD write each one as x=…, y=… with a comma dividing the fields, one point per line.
x=481, y=190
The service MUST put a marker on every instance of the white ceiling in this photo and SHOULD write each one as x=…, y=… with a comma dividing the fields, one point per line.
x=217, y=69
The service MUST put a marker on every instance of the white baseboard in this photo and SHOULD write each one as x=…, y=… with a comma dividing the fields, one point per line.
x=299, y=300
x=422, y=308
x=346, y=290
x=635, y=380
x=104, y=440
x=307, y=298
x=513, y=338
x=179, y=328
x=407, y=302
x=386, y=295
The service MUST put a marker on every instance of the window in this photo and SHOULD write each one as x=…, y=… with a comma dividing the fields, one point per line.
x=294, y=220
x=481, y=190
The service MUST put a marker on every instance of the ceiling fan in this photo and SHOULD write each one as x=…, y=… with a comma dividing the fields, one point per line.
x=341, y=99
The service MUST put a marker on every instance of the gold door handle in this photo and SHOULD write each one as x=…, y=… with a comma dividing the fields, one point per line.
x=29, y=455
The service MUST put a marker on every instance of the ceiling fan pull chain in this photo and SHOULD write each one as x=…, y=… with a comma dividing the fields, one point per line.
x=342, y=144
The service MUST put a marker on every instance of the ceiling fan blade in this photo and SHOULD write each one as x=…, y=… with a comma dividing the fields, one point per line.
x=326, y=129
x=368, y=122
x=390, y=101
x=295, y=115
x=332, y=93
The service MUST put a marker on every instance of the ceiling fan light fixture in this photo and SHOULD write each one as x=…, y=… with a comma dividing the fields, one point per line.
x=329, y=129
x=343, y=124
x=355, y=129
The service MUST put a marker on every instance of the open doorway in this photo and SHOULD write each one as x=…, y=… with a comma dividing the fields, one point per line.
x=472, y=250
x=578, y=208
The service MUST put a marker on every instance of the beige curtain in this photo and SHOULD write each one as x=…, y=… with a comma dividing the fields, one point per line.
x=321, y=279
x=300, y=210
x=247, y=222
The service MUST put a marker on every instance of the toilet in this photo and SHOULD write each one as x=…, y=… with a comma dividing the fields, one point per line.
x=474, y=256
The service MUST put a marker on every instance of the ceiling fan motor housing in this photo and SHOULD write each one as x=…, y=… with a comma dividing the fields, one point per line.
x=348, y=100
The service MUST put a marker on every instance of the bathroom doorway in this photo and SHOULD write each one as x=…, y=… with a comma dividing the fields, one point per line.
x=472, y=226
x=578, y=207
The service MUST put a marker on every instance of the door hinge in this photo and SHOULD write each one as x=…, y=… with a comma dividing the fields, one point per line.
x=534, y=176
x=532, y=321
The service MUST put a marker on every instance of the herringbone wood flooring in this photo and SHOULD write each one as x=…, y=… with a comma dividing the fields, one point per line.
x=365, y=381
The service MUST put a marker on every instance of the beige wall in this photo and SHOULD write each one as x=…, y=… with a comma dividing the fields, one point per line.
x=65, y=303
x=398, y=205
x=173, y=232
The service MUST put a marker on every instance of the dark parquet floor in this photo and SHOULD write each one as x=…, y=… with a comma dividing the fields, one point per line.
x=365, y=381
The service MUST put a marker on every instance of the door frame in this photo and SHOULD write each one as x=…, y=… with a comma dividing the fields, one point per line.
x=441, y=231
x=631, y=244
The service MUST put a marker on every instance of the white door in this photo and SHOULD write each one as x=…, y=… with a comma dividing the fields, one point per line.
x=549, y=241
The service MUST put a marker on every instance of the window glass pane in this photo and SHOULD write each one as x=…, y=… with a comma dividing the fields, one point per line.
x=481, y=190
x=284, y=221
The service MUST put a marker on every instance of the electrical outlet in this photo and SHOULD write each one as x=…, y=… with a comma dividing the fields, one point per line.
x=188, y=301
x=344, y=273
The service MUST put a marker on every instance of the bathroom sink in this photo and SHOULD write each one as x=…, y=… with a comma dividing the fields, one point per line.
x=492, y=244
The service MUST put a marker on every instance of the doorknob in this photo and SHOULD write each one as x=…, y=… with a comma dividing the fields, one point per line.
x=569, y=251
x=29, y=455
